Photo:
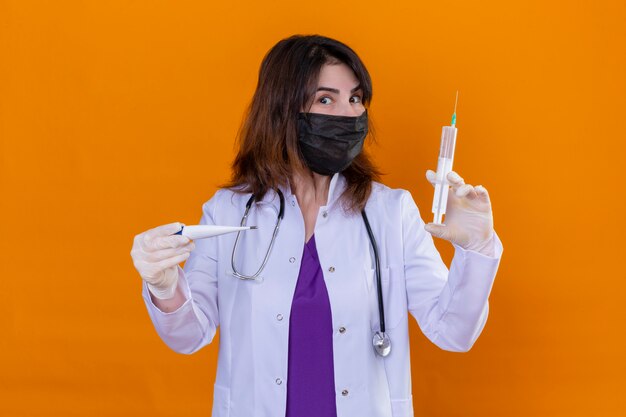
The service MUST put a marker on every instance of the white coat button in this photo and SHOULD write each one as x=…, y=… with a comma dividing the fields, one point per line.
x=325, y=214
x=331, y=269
x=279, y=381
x=344, y=392
x=293, y=202
x=342, y=330
x=279, y=317
x=292, y=259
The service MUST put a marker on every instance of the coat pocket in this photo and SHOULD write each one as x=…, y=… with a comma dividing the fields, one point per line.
x=221, y=401
x=393, y=295
x=402, y=407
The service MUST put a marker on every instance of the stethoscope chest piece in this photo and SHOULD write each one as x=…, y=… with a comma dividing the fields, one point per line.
x=382, y=344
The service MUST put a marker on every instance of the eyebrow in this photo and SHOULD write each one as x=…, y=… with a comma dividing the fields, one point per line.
x=334, y=90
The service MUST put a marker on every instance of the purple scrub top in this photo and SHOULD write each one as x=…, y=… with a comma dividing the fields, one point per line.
x=310, y=375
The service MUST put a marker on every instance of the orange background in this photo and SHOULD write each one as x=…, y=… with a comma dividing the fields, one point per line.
x=118, y=116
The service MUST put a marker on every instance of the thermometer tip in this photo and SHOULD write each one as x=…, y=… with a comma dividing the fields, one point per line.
x=253, y=227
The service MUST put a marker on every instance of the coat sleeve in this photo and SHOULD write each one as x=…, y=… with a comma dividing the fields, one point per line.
x=193, y=325
x=451, y=307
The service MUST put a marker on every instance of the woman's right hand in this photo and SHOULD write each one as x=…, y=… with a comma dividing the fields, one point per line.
x=156, y=254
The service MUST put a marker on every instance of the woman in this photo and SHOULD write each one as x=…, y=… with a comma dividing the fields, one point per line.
x=298, y=339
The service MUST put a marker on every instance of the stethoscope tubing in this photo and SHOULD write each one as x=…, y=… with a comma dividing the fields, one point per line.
x=379, y=285
x=244, y=220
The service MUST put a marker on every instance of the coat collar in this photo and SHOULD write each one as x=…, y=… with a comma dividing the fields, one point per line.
x=336, y=188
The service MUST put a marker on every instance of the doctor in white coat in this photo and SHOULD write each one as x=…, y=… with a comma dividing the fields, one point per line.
x=301, y=143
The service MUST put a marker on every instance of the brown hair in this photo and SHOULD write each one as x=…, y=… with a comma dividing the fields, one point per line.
x=268, y=152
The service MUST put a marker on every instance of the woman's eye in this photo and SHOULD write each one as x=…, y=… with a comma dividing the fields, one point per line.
x=355, y=99
x=325, y=100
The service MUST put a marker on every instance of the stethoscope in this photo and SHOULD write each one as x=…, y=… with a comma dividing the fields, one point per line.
x=381, y=341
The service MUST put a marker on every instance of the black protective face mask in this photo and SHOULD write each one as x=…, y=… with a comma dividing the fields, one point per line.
x=330, y=143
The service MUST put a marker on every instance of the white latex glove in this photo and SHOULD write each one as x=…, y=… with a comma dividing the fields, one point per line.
x=468, y=219
x=156, y=254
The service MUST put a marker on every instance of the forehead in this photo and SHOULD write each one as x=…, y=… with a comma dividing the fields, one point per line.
x=338, y=76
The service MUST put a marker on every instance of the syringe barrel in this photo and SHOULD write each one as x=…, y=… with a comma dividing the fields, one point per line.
x=448, y=141
x=444, y=166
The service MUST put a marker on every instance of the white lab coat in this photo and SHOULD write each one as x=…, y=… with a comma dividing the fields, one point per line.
x=450, y=308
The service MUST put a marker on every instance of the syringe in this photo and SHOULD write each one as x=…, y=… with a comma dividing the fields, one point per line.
x=444, y=166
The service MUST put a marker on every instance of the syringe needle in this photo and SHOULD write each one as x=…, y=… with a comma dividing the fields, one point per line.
x=456, y=100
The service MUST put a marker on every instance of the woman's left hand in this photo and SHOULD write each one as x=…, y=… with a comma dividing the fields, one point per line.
x=469, y=219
